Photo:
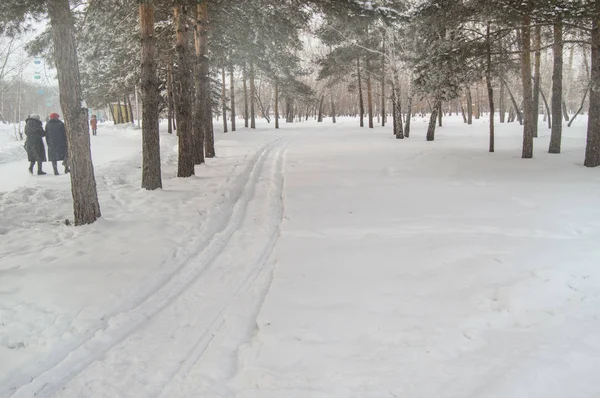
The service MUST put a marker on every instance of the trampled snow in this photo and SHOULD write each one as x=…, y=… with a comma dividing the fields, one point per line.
x=320, y=260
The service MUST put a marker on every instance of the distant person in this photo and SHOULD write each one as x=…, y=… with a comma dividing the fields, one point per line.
x=56, y=138
x=34, y=144
x=94, y=124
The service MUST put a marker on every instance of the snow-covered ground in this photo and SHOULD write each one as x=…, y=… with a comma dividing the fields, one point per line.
x=320, y=260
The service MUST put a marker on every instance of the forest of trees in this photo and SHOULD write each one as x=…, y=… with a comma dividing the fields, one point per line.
x=288, y=60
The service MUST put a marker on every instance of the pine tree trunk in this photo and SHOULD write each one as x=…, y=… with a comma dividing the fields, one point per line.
x=397, y=107
x=478, y=113
x=207, y=120
x=440, y=114
x=200, y=116
x=536, y=78
x=151, y=174
x=408, y=114
x=224, y=99
x=464, y=116
x=469, y=105
x=490, y=89
x=592, y=149
x=361, y=105
x=528, y=105
x=119, y=111
x=276, y=105
x=252, y=97
x=185, y=166
x=86, y=208
x=369, y=93
x=515, y=107
x=502, y=103
x=320, y=117
x=170, y=96
x=383, y=113
x=245, y=98
x=433, y=120
x=332, y=102
x=232, y=93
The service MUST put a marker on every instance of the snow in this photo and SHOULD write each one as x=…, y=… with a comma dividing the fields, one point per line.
x=319, y=260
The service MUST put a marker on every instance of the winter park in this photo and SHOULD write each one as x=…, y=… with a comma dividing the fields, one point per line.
x=300, y=198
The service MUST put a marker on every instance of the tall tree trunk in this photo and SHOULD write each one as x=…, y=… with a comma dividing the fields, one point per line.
x=397, y=106
x=169, y=96
x=200, y=96
x=151, y=174
x=440, y=114
x=185, y=166
x=246, y=114
x=207, y=120
x=464, y=116
x=232, y=94
x=528, y=106
x=276, y=105
x=432, y=120
x=86, y=208
x=383, y=99
x=478, y=113
x=585, y=93
x=592, y=149
x=130, y=116
x=252, y=97
x=119, y=112
x=537, y=37
x=502, y=103
x=469, y=105
x=408, y=113
x=332, y=102
x=490, y=89
x=224, y=99
x=369, y=93
x=320, y=117
x=361, y=105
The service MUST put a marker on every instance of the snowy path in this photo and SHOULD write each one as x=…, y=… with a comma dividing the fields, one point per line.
x=318, y=261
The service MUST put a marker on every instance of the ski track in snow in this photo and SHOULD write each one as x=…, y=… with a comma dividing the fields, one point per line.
x=196, y=288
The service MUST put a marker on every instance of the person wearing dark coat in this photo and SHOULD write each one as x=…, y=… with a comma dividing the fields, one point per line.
x=34, y=144
x=56, y=138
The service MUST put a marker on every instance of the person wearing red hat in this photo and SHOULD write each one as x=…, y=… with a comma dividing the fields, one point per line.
x=56, y=138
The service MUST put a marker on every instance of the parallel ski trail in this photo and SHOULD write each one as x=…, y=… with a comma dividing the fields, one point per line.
x=119, y=327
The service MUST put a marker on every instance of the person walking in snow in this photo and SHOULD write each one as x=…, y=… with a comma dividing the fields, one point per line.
x=34, y=144
x=94, y=124
x=56, y=138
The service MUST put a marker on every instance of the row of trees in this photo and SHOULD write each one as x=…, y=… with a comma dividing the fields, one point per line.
x=311, y=57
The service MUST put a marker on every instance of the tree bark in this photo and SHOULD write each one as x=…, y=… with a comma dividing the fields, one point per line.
x=169, y=96
x=332, y=102
x=252, y=96
x=151, y=173
x=224, y=99
x=232, y=94
x=536, y=78
x=592, y=149
x=185, y=165
x=276, y=105
x=502, y=103
x=361, y=105
x=245, y=98
x=207, y=119
x=200, y=116
x=565, y=111
x=433, y=120
x=369, y=93
x=320, y=117
x=490, y=89
x=86, y=208
x=527, y=89
x=397, y=106
x=408, y=114
x=383, y=99
x=469, y=105
x=440, y=114
x=515, y=107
